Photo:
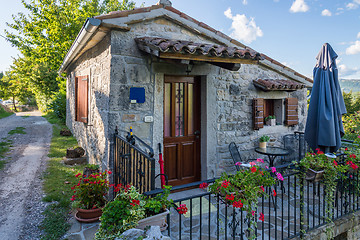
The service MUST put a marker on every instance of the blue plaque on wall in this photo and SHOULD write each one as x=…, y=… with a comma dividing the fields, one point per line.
x=137, y=95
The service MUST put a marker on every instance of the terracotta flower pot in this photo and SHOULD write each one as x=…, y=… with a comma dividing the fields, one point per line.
x=262, y=144
x=312, y=175
x=156, y=220
x=91, y=215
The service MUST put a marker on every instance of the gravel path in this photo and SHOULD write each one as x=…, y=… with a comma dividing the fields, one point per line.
x=21, y=185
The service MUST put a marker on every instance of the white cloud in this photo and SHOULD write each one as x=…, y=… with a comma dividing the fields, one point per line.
x=245, y=2
x=326, y=12
x=351, y=6
x=299, y=6
x=243, y=28
x=353, y=49
x=358, y=35
x=357, y=1
x=346, y=71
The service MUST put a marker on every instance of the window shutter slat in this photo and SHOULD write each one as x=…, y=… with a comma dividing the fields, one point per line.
x=291, y=111
x=81, y=107
x=258, y=113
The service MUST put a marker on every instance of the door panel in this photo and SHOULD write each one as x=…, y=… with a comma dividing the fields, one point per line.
x=181, y=121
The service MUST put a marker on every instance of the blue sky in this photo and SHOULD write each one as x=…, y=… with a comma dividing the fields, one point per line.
x=290, y=31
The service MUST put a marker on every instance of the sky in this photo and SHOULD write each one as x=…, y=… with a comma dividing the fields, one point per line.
x=290, y=31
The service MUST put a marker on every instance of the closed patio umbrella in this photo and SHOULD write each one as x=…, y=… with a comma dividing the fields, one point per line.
x=324, y=127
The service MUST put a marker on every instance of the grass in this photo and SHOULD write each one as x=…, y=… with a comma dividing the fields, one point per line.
x=25, y=116
x=58, y=180
x=4, y=148
x=18, y=130
x=4, y=113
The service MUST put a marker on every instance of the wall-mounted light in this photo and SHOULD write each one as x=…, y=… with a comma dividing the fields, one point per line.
x=189, y=67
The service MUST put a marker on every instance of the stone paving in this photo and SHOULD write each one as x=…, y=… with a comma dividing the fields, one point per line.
x=81, y=231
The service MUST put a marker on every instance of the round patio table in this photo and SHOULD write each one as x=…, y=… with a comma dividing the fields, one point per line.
x=272, y=153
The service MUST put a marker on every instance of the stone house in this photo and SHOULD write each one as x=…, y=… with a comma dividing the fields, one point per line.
x=178, y=82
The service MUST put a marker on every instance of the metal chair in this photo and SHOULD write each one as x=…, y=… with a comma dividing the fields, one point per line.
x=235, y=154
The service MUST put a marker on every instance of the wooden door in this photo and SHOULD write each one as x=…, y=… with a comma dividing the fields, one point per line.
x=182, y=129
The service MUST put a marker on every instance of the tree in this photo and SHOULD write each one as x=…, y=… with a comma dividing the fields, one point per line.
x=44, y=36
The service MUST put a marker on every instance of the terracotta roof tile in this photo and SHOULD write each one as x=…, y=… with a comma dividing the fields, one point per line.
x=153, y=44
x=278, y=85
x=201, y=24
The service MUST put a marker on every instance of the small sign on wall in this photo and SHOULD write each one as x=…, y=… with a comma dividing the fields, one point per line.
x=137, y=95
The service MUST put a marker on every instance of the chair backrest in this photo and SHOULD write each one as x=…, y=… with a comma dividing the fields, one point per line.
x=235, y=154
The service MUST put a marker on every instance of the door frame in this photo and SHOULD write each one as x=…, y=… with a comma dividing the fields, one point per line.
x=198, y=116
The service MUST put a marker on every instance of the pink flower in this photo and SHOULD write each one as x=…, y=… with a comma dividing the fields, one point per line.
x=266, y=167
x=262, y=188
x=252, y=163
x=253, y=212
x=358, y=136
x=260, y=160
x=203, y=185
x=273, y=169
x=279, y=176
x=238, y=163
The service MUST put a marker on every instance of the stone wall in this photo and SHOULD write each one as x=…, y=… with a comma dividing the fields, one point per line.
x=226, y=98
x=230, y=92
x=94, y=135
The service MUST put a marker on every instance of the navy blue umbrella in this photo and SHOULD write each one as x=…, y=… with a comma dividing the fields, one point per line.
x=324, y=127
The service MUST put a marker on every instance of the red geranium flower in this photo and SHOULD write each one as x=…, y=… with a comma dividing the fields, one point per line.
x=262, y=188
x=230, y=197
x=203, y=185
x=261, y=218
x=274, y=193
x=77, y=175
x=238, y=204
x=335, y=163
x=253, y=169
x=225, y=184
x=182, y=209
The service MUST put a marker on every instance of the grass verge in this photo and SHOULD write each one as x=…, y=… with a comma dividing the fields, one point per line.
x=4, y=148
x=18, y=130
x=58, y=180
x=4, y=113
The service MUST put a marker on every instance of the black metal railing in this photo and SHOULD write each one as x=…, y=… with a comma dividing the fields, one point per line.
x=134, y=162
x=298, y=206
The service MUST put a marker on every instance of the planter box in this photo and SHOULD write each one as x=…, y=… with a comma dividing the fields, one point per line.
x=156, y=220
x=314, y=176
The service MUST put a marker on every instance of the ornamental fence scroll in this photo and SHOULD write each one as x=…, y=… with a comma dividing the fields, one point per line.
x=134, y=162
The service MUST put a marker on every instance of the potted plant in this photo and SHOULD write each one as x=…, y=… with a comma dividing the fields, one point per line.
x=130, y=209
x=263, y=140
x=89, y=196
x=318, y=167
x=243, y=189
x=270, y=120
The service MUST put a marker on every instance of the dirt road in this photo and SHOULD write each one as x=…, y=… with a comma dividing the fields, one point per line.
x=21, y=184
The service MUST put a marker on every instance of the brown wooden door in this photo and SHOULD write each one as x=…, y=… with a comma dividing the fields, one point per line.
x=182, y=129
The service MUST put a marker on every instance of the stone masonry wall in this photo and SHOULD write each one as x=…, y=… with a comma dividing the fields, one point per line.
x=94, y=135
x=230, y=92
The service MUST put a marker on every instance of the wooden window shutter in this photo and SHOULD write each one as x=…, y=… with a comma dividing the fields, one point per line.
x=81, y=104
x=258, y=113
x=291, y=111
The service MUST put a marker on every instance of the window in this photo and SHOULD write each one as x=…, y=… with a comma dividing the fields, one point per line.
x=263, y=108
x=81, y=99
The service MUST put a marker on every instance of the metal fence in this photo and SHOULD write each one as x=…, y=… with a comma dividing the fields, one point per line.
x=132, y=164
x=209, y=218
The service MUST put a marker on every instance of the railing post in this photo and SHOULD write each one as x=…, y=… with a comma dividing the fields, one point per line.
x=302, y=209
x=152, y=173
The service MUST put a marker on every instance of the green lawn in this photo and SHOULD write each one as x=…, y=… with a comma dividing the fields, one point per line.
x=58, y=180
x=3, y=113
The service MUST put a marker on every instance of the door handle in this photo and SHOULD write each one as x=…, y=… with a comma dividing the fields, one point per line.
x=197, y=133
